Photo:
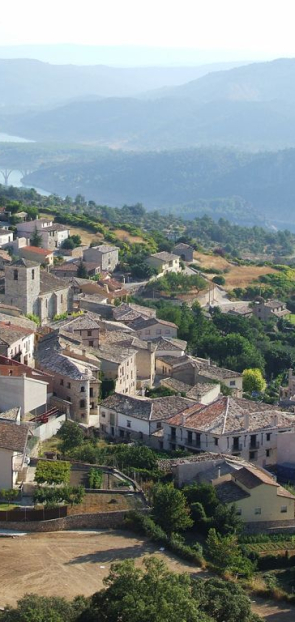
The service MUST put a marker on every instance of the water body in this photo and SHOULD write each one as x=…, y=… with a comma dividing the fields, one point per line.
x=16, y=176
x=15, y=179
x=7, y=138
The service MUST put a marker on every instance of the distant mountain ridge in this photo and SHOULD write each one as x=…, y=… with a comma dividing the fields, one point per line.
x=250, y=107
x=27, y=82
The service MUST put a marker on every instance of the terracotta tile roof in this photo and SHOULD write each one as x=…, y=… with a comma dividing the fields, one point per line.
x=228, y=415
x=251, y=477
x=37, y=250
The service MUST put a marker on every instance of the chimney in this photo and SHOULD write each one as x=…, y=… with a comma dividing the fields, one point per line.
x=275, y=421
x=218, y=472
x=150, y=346
x=142, y=391
x=246, y=421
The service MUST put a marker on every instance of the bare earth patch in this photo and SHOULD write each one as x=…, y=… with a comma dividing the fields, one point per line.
x=69, y=563
x=237, y=276
x=121, y=234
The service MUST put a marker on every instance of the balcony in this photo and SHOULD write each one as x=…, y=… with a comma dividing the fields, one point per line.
x=254, y=445
x=237, y=448
x=192, y=443
x=172, y=438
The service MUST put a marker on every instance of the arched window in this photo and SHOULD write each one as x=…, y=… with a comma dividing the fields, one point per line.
x=82, y=389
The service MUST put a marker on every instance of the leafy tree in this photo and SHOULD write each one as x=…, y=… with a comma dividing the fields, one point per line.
x=9, y=495
x=82, y=272
x=52, y=472
x=71, y=436
x=68, y=243
x=150, y=595
x=253, y=381
x=226, y=554
x=36, y=238
x=223, y=601
x=219, y=280
x=33, y=608
x=170, y=509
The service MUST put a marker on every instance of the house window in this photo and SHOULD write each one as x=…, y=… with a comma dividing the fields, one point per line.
x=92, y=405
x=238, y=511
x=159, y=425
x=252, y=455
x=232, y=383
x=68, y=398
x=267, y=453
x=268, y=435
x=69, y=385
x=82, y=403
x=121, y=433
x=61, y=383
x=89, y=333
x=257, y=511
x=61, y=298
x=15, y=275
x=91, y=392
x=103, y=414
x=216, y=441
x=82, y=390
x=284, y=509
x=128, y=424
x=90, y=343
x=33, y=275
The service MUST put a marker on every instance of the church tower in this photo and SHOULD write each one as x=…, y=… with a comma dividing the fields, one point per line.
x=22, y=285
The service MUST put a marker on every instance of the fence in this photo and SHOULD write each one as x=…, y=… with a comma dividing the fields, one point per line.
x=24, y=515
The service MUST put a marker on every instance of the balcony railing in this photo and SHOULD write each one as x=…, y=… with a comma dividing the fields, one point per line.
x=190, y=442
x=237, y=447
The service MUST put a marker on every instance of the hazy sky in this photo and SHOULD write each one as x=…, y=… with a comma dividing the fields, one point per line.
x=264, y=26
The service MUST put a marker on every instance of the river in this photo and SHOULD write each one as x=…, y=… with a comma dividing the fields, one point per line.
x=16, y=176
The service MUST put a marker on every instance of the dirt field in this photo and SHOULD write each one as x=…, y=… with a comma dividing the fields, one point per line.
x=68, y=563
x=71, y=563
x=237, y=276
x=86, y=236
x=124, y=235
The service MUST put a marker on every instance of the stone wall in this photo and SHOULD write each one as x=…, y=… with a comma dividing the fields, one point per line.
x=104, y=520
x=287, y=526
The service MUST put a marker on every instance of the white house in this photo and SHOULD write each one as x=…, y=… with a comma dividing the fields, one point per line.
x=17, y=342
x=229, y=425
x=13, y=447
x=6, y=237
x=126, y=416
x=164, y=262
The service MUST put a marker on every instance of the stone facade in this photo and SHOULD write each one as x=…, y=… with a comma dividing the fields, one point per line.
x=105, y=257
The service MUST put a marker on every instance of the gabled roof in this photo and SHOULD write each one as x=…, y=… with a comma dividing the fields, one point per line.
x=13, y=436
x=37, y=250
x=228, y=415
x=25, y=263
x=10, y=333
x=144, y=407
x=165, y=257
x=141, y=323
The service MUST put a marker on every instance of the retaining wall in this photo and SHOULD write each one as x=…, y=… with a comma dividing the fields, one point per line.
x=103, y=520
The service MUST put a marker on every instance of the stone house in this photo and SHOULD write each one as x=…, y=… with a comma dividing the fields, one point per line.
x=13, y=451
x=164, y=262
x=191, y=370
x=34, y=253
x=185, y=251
x=166, y=346
x=76, y=381
x=85, y=328
x=128, y=312
x=53, y=234
x=118, y=364
x=153, y=328
x=105, y=257
x=203, y=393
x=17, y=342
x=229, y=425
x=133, y=417
x=35, y=291
x=145, y=354
x=272, y=308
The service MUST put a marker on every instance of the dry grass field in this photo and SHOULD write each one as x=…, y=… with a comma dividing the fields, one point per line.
x=124, y=235
x=69, y=563
x=237, y=276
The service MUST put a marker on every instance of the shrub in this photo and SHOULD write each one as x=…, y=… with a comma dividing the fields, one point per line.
x=53, y=472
